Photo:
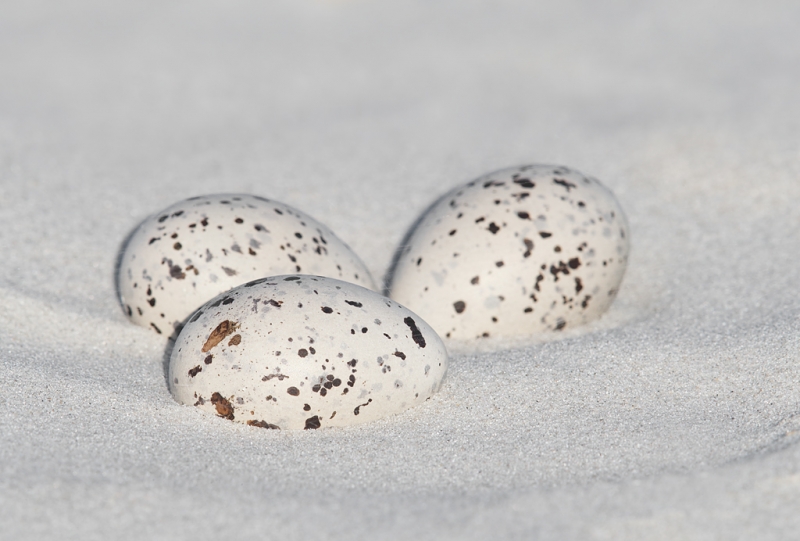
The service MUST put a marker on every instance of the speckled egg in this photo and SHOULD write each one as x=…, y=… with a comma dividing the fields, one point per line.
x=299, y=351
x=516, y=252
x=194, y=250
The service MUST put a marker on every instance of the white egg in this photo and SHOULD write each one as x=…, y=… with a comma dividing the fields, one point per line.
x=300, y=351
x=195, y=249
x=513, y=253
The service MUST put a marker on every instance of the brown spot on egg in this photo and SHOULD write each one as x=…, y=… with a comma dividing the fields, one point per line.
x=262, y=424
x=223, y=406
x=525, y=183
x=176, y=272
x=528, y=247
x=416, y=334
x=218, y=335
x=357, y=409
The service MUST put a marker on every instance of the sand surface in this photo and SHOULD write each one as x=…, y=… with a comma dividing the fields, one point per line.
x=676, y=416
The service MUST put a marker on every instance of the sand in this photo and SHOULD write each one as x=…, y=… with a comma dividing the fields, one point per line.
x=675, y=416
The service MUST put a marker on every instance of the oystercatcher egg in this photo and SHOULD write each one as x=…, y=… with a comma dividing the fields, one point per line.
x=195, y=249
x=300, y=351
x=516, y=252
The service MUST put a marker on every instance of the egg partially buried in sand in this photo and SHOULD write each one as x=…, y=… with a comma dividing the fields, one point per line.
x=195, y=249
x=516, y=252
x=295, y=352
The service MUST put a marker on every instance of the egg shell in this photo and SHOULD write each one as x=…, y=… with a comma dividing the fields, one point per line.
x=519, y=251
x=179, y=258
x=298, y=352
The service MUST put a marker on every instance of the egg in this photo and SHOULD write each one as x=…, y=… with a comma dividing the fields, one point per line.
x=188, y=253
x=520, y=251
x=300, y=352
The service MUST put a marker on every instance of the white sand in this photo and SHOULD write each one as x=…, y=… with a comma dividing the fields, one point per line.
x=677, y=416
